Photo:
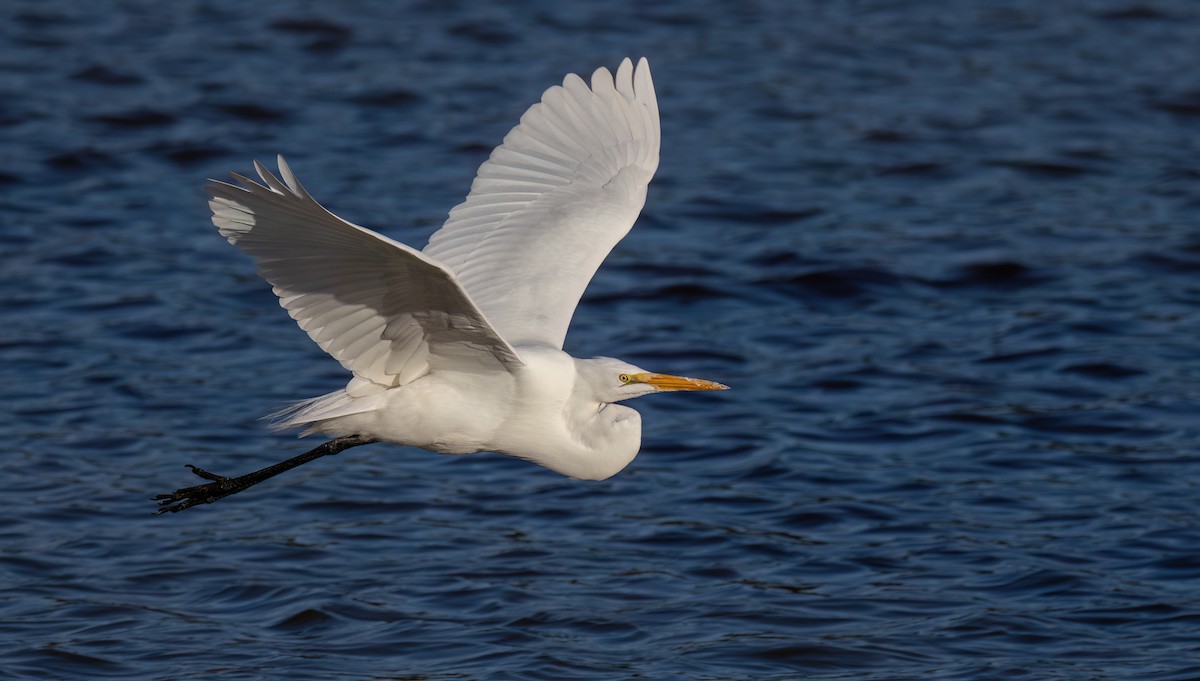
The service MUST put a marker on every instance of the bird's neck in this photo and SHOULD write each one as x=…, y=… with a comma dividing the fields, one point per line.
x=608, y=437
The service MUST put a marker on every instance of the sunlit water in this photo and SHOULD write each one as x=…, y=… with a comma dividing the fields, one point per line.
x=945, y=253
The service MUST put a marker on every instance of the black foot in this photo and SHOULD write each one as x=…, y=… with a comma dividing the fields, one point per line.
x=221, y=486
x=204, y=474
x=186, y=497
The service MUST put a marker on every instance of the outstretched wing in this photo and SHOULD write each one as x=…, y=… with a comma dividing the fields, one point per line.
x=387, y=312
x=551, y=202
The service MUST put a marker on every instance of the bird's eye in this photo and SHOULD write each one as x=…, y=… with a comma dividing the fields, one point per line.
x=624, y=378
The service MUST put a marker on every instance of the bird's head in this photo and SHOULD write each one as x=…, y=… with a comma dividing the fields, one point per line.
x=612, y=380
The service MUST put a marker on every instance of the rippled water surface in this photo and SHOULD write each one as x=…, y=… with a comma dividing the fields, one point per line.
x=946, y=253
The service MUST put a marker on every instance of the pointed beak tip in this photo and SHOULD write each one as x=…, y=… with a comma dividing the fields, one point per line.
x=708, y=385
x=668, y=383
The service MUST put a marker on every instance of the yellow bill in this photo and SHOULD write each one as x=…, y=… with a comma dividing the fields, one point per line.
x=667, y=382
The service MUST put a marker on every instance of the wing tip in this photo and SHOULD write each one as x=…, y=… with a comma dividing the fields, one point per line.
x=643, y=84
x=290, y=178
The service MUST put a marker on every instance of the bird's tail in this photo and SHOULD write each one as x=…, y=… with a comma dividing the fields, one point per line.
x=322, y=408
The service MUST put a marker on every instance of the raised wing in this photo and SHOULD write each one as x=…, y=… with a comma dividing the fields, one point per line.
x=385, y=311
x=551, y=202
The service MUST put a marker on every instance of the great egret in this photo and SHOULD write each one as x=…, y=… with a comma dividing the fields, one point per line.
x=458, y=348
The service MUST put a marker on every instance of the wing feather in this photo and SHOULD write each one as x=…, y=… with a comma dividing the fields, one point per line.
x=551, y=202
x=387, y=312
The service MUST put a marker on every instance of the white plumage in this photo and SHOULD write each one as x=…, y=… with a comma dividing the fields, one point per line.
x=458, y=349
x=552, y=201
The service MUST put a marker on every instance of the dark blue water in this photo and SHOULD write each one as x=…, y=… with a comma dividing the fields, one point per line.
x=945, y=252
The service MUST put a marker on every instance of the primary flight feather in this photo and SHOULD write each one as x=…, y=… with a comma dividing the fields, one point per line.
x=458, y=348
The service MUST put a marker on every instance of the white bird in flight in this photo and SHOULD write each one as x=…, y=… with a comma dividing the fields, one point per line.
x=458, y=348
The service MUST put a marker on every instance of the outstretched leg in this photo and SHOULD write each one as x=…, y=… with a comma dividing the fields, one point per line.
x=221, y=486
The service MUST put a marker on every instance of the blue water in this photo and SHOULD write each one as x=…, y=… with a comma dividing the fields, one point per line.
x=946, y=253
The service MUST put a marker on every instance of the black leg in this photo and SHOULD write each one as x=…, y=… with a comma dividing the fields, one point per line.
x=221, y=486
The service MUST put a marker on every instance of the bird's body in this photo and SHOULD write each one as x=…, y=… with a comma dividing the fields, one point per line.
x=458, y=348
x=537, y=412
